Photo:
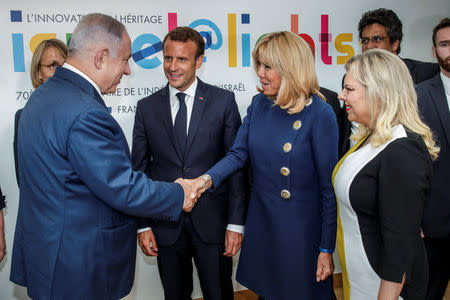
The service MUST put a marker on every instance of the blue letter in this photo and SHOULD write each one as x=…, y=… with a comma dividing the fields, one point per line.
x=140, y=55
x=18, y=53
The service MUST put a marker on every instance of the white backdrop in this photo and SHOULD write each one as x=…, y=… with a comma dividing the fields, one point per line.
x=231, y=26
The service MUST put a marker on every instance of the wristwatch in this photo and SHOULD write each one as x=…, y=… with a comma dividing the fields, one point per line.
x=206, y=177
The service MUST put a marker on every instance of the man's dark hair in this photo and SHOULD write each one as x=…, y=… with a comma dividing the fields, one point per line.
x=384, y=17
x=442, y=24
x=184, y=34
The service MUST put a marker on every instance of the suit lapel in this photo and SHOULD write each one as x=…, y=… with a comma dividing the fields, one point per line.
x=200, y=99
x=440, y=102
x=166, y=119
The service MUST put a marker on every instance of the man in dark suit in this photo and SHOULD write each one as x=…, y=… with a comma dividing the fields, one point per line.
x=181, y=131
x=332, y=99
x=381, y=28
x=75, y=238
x=434, y=104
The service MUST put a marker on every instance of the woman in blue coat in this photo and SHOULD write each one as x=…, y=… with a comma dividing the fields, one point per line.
x=290, y=137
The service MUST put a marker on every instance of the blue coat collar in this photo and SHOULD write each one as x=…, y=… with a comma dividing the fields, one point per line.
x=83, y=84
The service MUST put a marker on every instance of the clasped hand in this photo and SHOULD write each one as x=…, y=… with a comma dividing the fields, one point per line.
x=193, y=189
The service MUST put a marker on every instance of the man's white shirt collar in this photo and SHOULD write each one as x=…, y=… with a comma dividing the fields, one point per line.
x=190, y=91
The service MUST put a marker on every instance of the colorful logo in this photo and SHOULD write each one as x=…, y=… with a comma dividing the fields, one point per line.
x=145, y=46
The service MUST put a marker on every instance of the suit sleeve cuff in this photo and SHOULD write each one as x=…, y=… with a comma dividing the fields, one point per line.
x=325, y=250
x=236, y=228
x=144, y=229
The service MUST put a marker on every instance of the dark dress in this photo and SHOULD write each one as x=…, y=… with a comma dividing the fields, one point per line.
x=292, y=210
x=2, y=200
x=381, y=193
x=16, y=130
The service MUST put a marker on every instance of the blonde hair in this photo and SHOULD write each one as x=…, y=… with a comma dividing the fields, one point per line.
x=290, y=56
x=37, y=56
x=391, y=97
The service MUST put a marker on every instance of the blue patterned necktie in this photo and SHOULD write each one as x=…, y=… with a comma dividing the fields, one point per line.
x=181, y=122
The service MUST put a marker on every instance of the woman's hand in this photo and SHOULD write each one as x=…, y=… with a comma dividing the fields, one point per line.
x=325, y=266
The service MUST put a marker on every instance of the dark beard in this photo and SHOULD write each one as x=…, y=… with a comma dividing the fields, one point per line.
x=444, y=62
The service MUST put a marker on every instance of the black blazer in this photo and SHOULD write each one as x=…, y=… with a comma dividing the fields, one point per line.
x=2, y=200
x=214, y=123
x=433, y=107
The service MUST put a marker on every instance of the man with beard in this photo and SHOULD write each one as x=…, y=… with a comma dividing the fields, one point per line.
x=434, y=104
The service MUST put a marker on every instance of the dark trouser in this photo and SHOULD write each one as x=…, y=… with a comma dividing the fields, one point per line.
x=332, y=297
x=175, y=267
x=438, y=252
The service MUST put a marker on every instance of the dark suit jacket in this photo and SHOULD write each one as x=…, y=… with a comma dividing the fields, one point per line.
x=214, y=123
x=333, y=100
x=419, y=70
x=434, y=111
x=341, y=119
x=74, y=237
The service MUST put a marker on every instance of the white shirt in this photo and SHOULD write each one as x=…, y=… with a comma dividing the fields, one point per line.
x=188, y=99
x=174, y=107
x=446, y=83
x=75, y=70
x=354, y=129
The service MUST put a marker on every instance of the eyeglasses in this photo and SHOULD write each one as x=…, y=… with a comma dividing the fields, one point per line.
x=374, y=39
x=52, y=66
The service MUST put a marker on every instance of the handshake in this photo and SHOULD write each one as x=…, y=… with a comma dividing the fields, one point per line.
x=193, y=189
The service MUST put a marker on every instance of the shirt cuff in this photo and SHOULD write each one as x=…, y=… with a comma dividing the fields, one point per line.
x=144, y=229
x=236, y=228
x=325, y=250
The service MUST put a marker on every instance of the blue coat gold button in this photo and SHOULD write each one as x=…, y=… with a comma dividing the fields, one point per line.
x=297, y=125
x=287, y=147
x=285, y=194
x=285, y=171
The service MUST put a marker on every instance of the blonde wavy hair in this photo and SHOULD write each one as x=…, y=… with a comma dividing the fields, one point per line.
x=290, y=56
x=391, y=96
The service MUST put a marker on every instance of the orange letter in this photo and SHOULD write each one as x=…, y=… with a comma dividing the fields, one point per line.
x=344, y=37
x=38, y=38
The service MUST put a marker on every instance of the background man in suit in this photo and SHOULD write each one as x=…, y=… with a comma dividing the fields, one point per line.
x=181, y=131
x=381, y=28
x=74, y=237
x=434, y=104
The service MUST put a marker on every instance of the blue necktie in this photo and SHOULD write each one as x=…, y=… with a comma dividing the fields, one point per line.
x=181, y=122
